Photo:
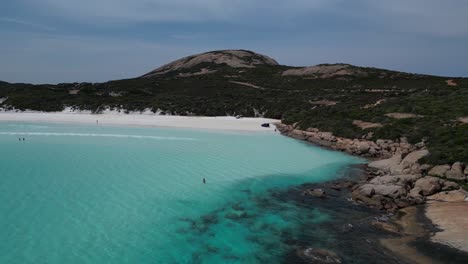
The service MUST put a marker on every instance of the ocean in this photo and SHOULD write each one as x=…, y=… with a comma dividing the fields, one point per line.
x=110, y=194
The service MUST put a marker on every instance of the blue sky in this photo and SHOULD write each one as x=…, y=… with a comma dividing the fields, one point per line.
x=51, y=41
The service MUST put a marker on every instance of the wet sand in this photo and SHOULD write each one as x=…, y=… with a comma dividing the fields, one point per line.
x=452, y=219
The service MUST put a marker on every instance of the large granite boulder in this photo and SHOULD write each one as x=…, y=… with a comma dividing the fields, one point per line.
x=402, y=180
x=386, y=164
x=363, y=147
x=392, y=191
x=449, y=186
x=413, y=157
x=428, y=185
x=410, y=163
x=439, y=170
x=415, y=192
x=456, y=172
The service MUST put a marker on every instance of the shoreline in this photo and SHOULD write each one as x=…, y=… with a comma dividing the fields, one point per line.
x=226, y=123
x=392, y=167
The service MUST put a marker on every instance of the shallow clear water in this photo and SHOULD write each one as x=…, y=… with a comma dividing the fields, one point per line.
x=103, y=194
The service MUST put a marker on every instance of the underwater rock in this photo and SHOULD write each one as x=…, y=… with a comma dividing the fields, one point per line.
x=318, y=256
x=235, y=216
x=210, y=219
x=238, y=207
x=315, y=192
x=389, y=227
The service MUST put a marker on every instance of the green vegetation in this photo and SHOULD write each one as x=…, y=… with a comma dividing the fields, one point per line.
x=294, y=99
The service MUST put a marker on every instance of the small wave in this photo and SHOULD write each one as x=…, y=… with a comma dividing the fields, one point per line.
x=93, y=135
x=27, y=126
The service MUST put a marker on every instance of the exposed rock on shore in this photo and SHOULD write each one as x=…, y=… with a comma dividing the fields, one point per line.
x=395, y=179
x=363, y=147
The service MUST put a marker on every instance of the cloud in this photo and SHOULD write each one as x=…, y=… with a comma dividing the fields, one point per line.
x=434, y=17
x=47, y=58
x=98, y=40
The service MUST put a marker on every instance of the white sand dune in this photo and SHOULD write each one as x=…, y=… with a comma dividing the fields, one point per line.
x=111, y=118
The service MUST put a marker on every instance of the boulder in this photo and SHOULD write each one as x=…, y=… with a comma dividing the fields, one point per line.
x=413, y=157
x=456, y=172
x=451, y=196
x=386, y=164
x=402, y=180
x=315, y=192
x=367, y=190
x=328, y=136
x=439, y=170
x=312, y=129
x=363, y=146
x=415, y=192
x=428, y=185
x=318, y=255
x=448, y=186
x=374, y=201
x=425, y=168
x=297, y=134
x=416, y=169
x=392, y=191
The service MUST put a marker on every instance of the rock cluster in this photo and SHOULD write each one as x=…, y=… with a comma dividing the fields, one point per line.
x=396, y=180
x=456, y=171
x=363, y=147
x=401, y=182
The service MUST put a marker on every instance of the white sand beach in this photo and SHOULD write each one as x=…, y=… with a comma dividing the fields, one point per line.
x=143, y=119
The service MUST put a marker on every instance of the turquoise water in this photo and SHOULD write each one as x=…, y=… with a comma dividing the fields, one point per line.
x=104, y=194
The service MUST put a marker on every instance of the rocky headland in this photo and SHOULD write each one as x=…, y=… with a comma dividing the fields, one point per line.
x=395, y=180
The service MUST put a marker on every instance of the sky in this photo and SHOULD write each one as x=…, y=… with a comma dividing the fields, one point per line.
x=54, y=41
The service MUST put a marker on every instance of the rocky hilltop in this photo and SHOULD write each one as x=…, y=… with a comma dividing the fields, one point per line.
x=209, y=62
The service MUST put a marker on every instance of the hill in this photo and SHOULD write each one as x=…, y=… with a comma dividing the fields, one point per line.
x=210, y=62
x=347, y=100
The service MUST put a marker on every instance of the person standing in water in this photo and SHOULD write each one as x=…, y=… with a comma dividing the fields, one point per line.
x=204, y=181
